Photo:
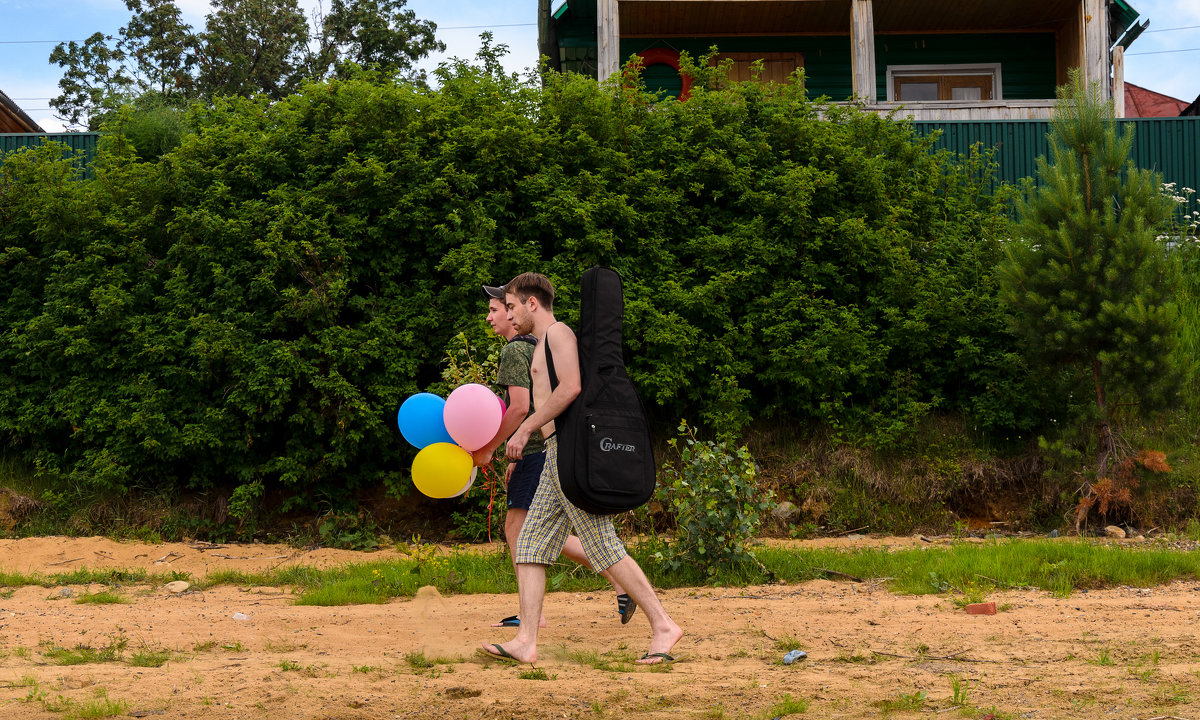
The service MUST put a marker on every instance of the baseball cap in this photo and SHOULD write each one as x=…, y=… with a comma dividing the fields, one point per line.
x=493, y=292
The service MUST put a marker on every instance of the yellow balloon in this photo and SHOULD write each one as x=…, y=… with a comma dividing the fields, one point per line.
x=441, y=469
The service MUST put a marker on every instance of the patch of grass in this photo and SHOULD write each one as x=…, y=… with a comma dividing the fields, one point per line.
x=618, y=661
x=1104, y=658
x=282, y=646
x=786, y=705
x=104, y=597
x=236, y=647
x=85, y=654
x=859, y=658
x=417, y=661
x=536, y=674
x=145, y=656
x=289, y=666
x=364, y=669
x=204, y=646
x=788, y=643
x=98, y=707
x=959, y=690
x=904, y=702
x=1172, y=694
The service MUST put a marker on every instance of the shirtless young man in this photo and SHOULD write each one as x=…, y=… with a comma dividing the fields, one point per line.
x=530, y=301
x=521, y=479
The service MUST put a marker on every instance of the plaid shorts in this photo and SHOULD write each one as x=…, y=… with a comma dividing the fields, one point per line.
x=552, y=518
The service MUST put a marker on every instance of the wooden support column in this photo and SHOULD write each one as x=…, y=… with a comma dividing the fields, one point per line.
x=608, y=39
x=1095, y=44
x=1118, y=81
x=862, y=45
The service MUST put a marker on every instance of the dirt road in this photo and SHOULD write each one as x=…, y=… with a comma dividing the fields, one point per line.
x=235, y=652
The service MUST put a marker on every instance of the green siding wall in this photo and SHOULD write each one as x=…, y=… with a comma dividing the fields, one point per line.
x=1170, y=146
x=83, y=145
x=1027, y=65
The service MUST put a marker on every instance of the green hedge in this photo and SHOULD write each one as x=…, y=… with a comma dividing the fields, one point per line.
x=251, y=308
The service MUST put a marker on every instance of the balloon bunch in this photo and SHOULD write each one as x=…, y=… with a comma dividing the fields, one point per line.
x=445, y=432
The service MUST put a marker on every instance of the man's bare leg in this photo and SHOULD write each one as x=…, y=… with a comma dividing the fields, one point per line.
x=514, y=519
x=664, y=633
x=531, y=588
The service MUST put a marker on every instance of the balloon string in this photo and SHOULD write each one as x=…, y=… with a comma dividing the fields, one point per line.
x=490, y=476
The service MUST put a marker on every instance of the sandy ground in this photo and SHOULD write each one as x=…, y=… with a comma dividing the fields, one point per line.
x=250, y=653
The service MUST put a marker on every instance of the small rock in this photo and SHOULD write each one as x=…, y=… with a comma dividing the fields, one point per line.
x=786, y=512
x=793, y=656
x=66, y=592
x=987, y=608
x=856, y=536
x=1053, y=533
x=176, y=587
x=1114, y=532
x=240, y=616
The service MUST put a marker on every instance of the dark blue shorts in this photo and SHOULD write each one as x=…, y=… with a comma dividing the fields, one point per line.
x=524, y=482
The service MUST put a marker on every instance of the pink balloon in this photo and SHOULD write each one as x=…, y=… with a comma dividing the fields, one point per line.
x=503, y=407
x=472, y=416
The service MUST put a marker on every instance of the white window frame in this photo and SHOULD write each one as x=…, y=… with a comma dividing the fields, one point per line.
x=992, y=69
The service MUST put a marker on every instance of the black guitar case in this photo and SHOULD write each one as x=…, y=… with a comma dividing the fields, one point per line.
x=605, y=460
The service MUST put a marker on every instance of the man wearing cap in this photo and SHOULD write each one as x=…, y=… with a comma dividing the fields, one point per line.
x=521, y=479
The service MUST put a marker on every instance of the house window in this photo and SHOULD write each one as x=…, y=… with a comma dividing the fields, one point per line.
x=777, y=66
x=966, y=83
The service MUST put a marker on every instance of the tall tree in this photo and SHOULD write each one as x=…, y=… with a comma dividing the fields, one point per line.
x=253, y=46
x=379, y=34
x=247, y=47
x=161, y=47
x=1085, y=275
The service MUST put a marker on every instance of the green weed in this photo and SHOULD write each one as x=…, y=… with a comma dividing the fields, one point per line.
x=905, y=702
x=535, y=674
x=145, y=656
x=84, y=654
x=104, y=597
x=786, y=705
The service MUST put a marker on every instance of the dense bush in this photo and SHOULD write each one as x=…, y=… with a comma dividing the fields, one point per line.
x=250, y=308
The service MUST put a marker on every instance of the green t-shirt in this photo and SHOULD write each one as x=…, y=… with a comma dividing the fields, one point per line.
x=515, y=359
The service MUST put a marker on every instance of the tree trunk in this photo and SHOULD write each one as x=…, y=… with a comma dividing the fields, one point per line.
x=1105, y=448
x=547, y=37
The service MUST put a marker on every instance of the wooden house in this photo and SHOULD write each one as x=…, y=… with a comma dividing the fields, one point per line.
x=13, y=119
x=926, y=59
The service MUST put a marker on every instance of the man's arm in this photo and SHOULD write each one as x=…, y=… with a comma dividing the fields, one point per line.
x=518, y=407
x=561, y=343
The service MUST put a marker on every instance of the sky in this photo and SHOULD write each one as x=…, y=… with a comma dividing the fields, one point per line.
x=1166, y=58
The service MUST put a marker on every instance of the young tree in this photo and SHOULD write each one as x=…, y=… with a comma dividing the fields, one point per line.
x=1085, y=275
x=151, y=54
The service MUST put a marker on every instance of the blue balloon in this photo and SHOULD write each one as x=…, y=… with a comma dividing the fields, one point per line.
x=420, y=420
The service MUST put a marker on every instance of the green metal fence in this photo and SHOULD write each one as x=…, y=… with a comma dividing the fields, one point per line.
x=1170, y=146
x=81, y=145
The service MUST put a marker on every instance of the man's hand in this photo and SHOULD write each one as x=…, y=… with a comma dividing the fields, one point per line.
x=516, y=443
x=483, y=456
x=508, y=473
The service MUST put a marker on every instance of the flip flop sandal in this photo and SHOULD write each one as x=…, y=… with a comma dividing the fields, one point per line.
x=626, y=607
x=667, y=658
x=510, y=621
x=501, y=654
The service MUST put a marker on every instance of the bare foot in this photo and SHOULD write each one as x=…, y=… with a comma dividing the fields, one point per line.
x=661, y=642
x=512, y=653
